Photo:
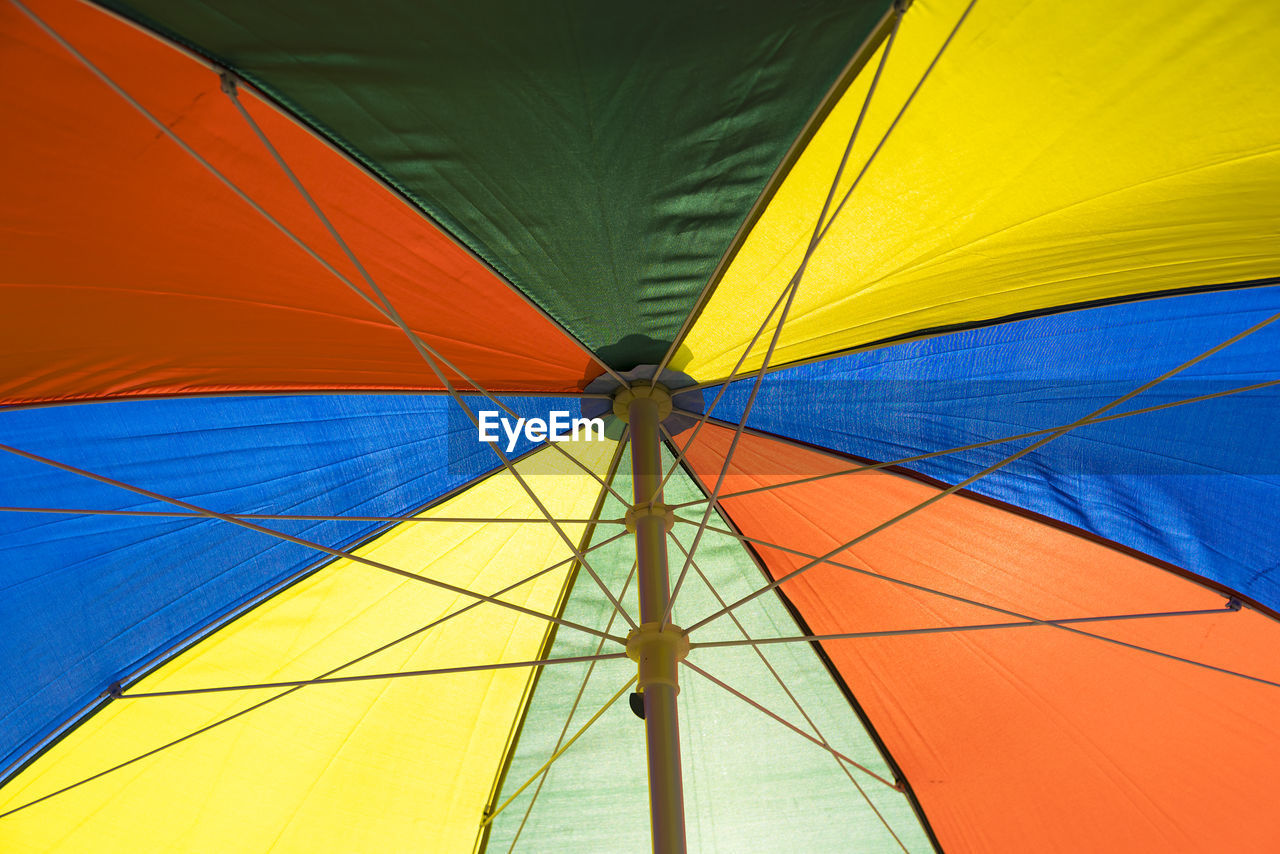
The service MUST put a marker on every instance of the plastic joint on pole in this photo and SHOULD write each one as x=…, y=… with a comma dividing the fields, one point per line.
x=664, y=511
x=658, y=650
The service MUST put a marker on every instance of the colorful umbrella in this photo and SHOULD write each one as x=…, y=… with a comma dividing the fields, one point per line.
x=895, y=381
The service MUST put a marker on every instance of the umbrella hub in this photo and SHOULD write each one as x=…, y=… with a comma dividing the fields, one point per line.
x=658, y=650
x=678, y=398
x=657, y=392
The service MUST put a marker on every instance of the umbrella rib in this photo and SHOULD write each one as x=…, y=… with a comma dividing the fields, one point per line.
x=893, y=633
x=213, y=514
x=507, y=464
x=167, y=131
x=429, y=626
x=900, y=8
x=892, y=125
x=748, y=641
x=382, y=303
x=550, y=640
x=228, y=83
x=1231, y=606
x=897, y=787
x=368, y=677
x=217, y=68
x=164, y=655
x=613, y=615
x=854, y=67
x=433, y=357
x=789, y=290
x=820, y=231
x=533, y=799
x=1062, y=431
x=489, y=818
x=959, y=448
x=386, y=309
x=702, y=417
x=285, y=517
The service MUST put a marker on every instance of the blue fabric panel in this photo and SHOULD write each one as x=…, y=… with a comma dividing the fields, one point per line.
x=1195, y=485
x=86, y=600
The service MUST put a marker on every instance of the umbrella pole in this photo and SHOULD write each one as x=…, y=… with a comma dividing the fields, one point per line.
x=657, y=650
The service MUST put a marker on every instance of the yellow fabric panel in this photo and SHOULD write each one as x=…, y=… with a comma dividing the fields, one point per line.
x=1058, y=153
x=388, y=765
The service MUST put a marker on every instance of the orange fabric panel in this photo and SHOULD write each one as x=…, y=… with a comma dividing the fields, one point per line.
x=1029, y=739
x=129, y=269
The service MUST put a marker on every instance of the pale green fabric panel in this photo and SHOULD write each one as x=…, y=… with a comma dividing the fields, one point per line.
x=750, y=784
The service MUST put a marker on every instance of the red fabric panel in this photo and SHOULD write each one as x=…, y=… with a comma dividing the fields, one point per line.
x=128, y=269
x=1030, y=739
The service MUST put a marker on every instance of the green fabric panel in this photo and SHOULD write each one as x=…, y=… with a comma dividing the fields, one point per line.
x=599, y=155
x=750, y=784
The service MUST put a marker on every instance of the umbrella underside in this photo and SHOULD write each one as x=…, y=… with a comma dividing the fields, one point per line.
x=248, y=249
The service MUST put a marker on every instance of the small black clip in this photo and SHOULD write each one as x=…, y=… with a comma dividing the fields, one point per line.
x=637, y=704
x=1234, y=604
x=115, y=691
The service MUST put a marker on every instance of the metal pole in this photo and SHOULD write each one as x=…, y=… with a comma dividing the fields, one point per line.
x=658, y=650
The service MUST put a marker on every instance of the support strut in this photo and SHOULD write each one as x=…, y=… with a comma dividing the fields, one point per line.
x=657, y=649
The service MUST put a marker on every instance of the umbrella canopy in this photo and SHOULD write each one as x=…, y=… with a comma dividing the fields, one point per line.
x=970, y=495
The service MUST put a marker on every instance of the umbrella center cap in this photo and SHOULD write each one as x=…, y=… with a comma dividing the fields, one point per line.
x=657, y=649
x=657, y=392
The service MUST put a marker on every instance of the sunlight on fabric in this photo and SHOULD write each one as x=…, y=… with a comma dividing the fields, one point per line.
x=757, y=786
x=405, y=764
x=990, y=198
